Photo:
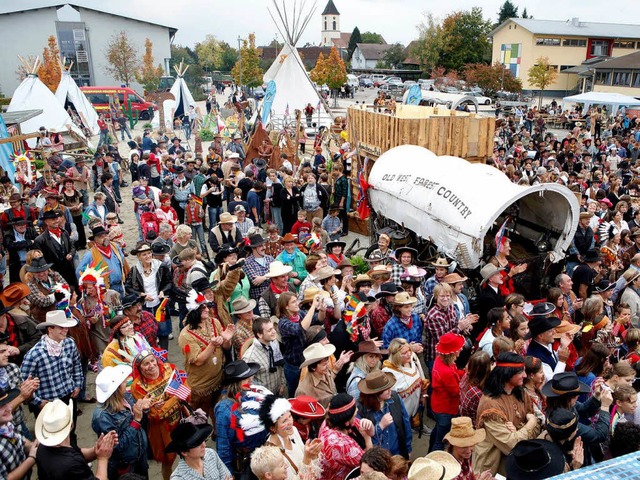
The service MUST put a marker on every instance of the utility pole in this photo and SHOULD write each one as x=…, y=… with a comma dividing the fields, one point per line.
x=502, y=78
x=239, y=62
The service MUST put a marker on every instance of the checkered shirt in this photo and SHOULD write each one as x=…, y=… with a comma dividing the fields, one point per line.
x=257, y=352
x=437, y=323
x=396, y=271
x=253, y=269
x=469, y=399
x=293, y=340
x=429, y=286
x=148, y=328
x=11, y=454
x=396, y=329
x=59, y=376
x=15, y=380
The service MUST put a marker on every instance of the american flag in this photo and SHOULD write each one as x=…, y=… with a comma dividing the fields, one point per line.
x=286, y=111
x=176, y=388
x=318, y=107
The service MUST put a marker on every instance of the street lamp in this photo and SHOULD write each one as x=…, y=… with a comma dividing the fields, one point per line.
x=239, y=63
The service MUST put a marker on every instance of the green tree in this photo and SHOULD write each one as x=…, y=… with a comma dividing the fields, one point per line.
x=428, y=47
x=122, y=58
x=524, y=13
x=194, y=74
x=353, y=41
x=148, y=75
x=490, y=79
x=507, y=10
x=209, y=53
x=228, y=58
x=465, y=39
x=372, y=37
x=394, y=57
x=250, y=59
x=541, y=75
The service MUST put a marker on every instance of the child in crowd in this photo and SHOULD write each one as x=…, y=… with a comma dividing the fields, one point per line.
x=332, y=224
x=624, y=408
x=116, y=235
x=302, y=228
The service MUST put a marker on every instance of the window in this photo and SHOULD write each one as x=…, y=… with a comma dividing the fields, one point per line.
x=573, y=42
x=622, y=79
x=98, y=98
x=549, y=42
x=624, y=44
x=599, y=48
x=565, y=67
x=603, y=78
x=334, y=25
x=636, y=80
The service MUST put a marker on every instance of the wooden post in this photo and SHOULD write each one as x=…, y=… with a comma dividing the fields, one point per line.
x=298, y=114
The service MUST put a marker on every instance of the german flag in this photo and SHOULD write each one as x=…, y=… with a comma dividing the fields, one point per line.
x=197, y=199
x=161, y=311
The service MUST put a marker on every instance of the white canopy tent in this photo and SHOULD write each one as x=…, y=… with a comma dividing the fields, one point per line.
x=615, y=100
x=69, y=93
x=455, y=203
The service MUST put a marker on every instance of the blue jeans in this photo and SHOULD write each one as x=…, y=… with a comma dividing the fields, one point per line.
x=122, y=132
x=292, y=376
x=214, y=216
x=276, y=213
x=187, y=130
x=442, y=427
x=198, y=233
x=104, y=137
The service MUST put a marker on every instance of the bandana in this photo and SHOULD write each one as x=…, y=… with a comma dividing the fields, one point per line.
x=55, y=231
x=53, y=348
x=106, y=251
x=276, y=290
x=407, y=322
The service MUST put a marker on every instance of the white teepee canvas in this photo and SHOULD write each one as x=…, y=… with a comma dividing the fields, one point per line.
x=68, y=91
x=181, y=93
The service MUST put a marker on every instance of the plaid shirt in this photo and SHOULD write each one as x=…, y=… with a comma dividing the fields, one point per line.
x=15, y=380
x=396, y=329
x=148, y=328
x=257, y=352
x=379, y=318
x=437, y=323
x=12, y=454
x=293, y=340
x=59, y=376
x=253, y=269
x=396, y=271
x=429, y=286
x=469, y=399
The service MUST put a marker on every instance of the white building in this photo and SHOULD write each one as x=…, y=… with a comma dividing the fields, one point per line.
x=367, y=55
x=83, y=34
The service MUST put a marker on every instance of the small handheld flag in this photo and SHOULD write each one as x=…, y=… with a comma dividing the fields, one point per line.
x=286, y=111
x=161, y=311
x=176, y=388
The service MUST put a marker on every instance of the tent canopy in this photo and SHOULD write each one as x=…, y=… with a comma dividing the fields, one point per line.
x=455, y=203
x=616, y=100
x=183, y=97
x=69, y=93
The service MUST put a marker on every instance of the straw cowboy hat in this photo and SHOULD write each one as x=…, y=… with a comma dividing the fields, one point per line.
x=380, y=271
x=54, y=422
x=326, y=272
x=566, y=327
x=242, y=305
x=226, y=217
x=311, y=292
x=376, y=382
x=437, y=465
x=403, y=298
x=441, y=262
x=277, y=269
x=57, y=318
x=316, y=352
x=362, y=278
x=109, y=380
x=462, y=433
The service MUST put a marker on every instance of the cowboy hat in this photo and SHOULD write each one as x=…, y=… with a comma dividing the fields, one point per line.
x=326, y=272
x=98, y=231
x=335, y=243
x=387, y=289
x=224, y=252
x=376, y=382
x=362, y=278
x=131, y=299
x=13, y=293
x=277, y=269
x=57, y=318
x=379, y=270
x=565, y=383
x=141, y=247
x=187, y=436
x=255, y=241
x=226, y=217
x=375, y=256
x=38, y=265
x=488, y=271
x=438, y=465
x=343, y=264
x=307, y=407
x=540, y=309
x=539, y=325
x=176, y=138
x=566, y=327
x=453, y=278
x=242, y=305
x=240, y=370
x=441, y=262
x=400, y=250
x=311, y=292
x=592, y=256
x=630, y=275
x=316, y=352
x=109, y=380
x=289, y=238
x=368, y=346
x=604, y=285
x=202, y=284
x=239, y=208
x=462, y=433
x=54, y=422
x=585, y=215
x=51, y=214
x=237, y=136
x=449, y=343
x=534, y=460
x=8, y=395
x=160, y=248
x=403, y=298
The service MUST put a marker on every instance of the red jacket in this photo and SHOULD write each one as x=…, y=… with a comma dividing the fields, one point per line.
x=445, y=385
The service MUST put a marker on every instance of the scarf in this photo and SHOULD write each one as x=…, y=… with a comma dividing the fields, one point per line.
x=8, y=431
x=55, y=231
x=277, y=290
x=106, y=251
x=295, y=319
x=53, y=348
x=407, y=323
x=288, y=258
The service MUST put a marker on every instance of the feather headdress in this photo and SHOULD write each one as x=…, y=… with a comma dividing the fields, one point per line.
x=194, y=300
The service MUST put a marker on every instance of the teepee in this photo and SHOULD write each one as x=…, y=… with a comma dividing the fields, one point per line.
x=32, y=94
x=70, y=96
x=294, y=88
x=181, y=93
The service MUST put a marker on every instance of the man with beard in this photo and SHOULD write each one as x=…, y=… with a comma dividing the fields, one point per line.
x=17, y=242
x=257, y=266
x=143, y=322
x=110, y=255
x=56, y=246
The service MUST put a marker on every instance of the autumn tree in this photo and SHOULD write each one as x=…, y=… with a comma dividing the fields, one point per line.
x=122, y=58
x=336, y=71
x=50, y=72
x=251, y=74
x=490, y=78
x=148, y=75
x=465, y=39
x=428, y=47
x=319, y=73
x=541, y=75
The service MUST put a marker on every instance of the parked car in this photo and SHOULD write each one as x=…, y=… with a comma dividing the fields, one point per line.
x=451, y=90
x=426, y=83
x=378, y=79
x=366, y=82
x=99, y=98
x=353, y=81
x=482, y=100
x=393, y=80
x=258, y=93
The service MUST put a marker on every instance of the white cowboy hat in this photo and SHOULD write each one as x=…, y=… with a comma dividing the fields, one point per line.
x=316, y=352
x=57, y=318
x=277, y=269
x=242, y=305
x=109, y=379
x=437, y=464
x=234, y=155
x=53, y=425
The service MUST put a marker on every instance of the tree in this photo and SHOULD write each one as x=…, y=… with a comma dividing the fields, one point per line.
x=336, y=71
x=465, y=39
x=541, y=75
x=372, y=37
x=394, y=57
x=250, y=59
x=209, y=53
x=353, y=41
x=428, y=47
x=489, y=78
x=122, y=58
x=319, y=73
x=148, y=75
x=507, y=10
x=228, y=58
x=524, y=13
x=194, y=74
x=50, y=72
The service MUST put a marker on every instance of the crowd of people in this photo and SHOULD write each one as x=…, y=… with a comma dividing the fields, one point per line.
x=295, y=361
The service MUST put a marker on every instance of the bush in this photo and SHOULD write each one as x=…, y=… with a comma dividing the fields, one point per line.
x=360, y=265
x=148, y=125
x=206, y=135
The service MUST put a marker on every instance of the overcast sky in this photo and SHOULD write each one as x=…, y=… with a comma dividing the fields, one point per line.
x=396, y=20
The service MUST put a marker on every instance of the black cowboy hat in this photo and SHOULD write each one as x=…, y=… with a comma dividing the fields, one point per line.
x=38, y=265
x=592, y=256
x=604, y=285
x=240, y=370
x=187, y=436
x=224, y=252
x=97, y=231
x=176, y=138
x=131, y=299
x=565, y=383
x=335, y=243
x=160, y=248
x=388, y=288
x=539, y=325
x=18, y=221
x=51, y=214
x=255, y=241
x=400, y=250
x=542, y=309
x=8, y=395
x=178, y=169
x=202, y=284
x=534, y=460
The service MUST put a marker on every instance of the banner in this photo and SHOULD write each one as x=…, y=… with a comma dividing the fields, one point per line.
x=415, y=95
x=269, y=95
x=6, y=151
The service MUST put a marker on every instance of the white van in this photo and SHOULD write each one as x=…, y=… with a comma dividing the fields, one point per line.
x=353, y=81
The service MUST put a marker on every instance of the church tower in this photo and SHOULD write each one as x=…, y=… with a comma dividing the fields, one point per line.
x=330, y=24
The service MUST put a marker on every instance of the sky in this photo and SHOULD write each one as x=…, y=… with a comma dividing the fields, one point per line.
x=396, y=20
